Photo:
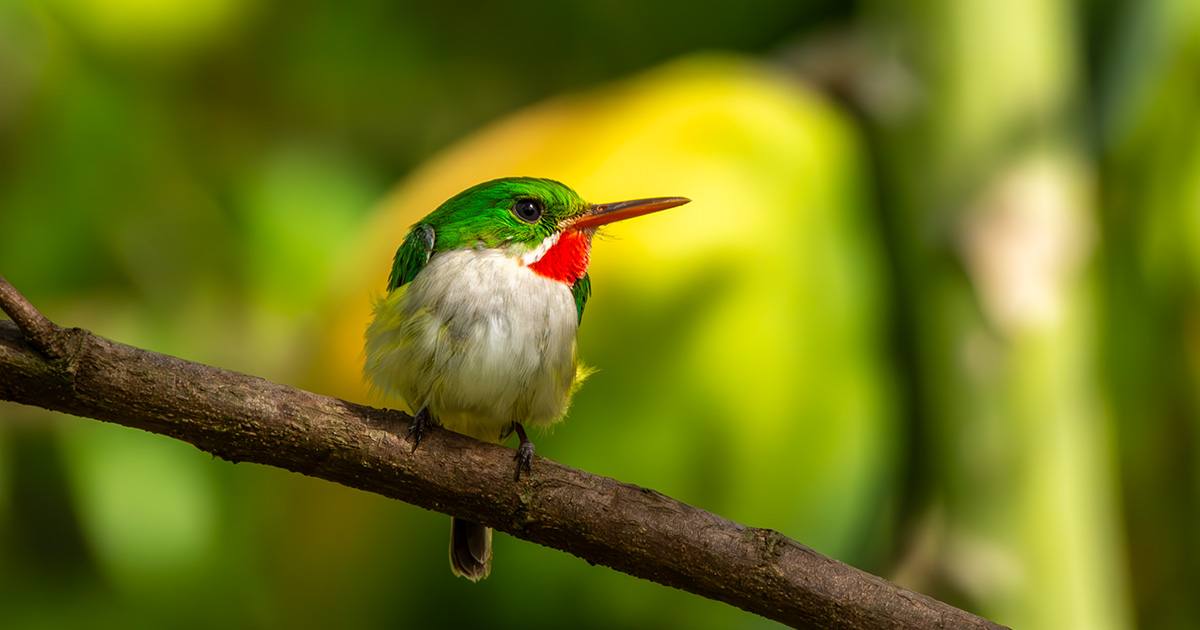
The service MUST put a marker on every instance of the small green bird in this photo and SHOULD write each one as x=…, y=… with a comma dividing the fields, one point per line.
x=477, y=330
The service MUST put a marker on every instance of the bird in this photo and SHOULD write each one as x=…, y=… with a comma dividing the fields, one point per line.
x=477, y=329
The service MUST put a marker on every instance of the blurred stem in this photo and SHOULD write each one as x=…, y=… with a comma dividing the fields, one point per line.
x=993, y=227
x=1150, y=176
x=44, y=536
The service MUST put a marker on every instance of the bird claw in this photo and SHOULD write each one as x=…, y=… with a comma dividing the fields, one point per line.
x=524, y=454
x=420, y=425
x=524, y=459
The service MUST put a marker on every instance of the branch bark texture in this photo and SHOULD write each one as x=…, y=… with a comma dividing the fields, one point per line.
x=603, y=521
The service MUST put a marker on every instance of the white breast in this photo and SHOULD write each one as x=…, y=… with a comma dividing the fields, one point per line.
x=479, y=339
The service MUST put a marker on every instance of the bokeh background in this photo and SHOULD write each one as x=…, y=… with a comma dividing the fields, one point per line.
x=934, y=310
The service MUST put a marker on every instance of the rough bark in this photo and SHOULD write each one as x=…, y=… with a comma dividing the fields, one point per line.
x=603, y=521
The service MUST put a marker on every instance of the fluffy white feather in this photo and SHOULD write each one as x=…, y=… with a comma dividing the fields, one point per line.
x=479, y=339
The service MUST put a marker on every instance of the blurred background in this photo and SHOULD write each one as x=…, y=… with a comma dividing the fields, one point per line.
x=934, y=310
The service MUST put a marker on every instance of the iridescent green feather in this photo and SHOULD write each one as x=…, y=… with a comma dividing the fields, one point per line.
x=411, y=256
x=581, y=291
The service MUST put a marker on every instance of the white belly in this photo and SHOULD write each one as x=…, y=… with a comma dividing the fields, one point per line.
x=480, y=340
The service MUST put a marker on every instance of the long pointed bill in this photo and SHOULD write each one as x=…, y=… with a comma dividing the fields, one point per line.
x=605, y=213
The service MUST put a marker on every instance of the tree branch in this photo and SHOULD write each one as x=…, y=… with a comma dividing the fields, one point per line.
x=623, y=526
x=39, y=331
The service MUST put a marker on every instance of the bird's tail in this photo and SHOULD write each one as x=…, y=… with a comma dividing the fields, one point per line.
x=470, y=549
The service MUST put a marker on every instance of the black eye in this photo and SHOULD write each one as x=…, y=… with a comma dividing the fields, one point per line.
x=529, y=210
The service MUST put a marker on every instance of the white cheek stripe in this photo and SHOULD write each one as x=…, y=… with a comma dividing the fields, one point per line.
x=534, y=255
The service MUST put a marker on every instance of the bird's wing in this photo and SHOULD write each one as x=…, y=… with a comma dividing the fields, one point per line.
x=582, y=290
x=411, y=257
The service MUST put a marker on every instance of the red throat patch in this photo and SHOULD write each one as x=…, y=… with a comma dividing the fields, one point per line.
x=566, y=260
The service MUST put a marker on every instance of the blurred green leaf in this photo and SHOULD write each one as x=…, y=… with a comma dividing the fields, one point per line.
x=148, y=504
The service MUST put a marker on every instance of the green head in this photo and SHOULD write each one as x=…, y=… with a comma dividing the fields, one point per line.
x=542, y=222
x=522, y=212
x=513, y=211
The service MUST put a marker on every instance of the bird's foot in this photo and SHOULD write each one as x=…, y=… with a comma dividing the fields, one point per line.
x=420, y=425
x=524, y=459
x=524, y=454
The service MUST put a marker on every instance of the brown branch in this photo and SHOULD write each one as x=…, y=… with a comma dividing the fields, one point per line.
x=39, y=331
x=631, y=529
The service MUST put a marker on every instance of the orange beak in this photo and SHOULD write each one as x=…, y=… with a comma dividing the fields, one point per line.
x=605, y=213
